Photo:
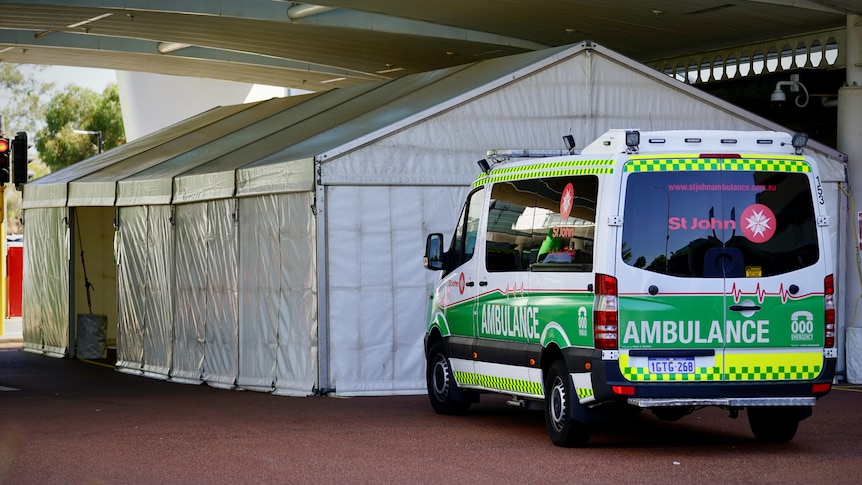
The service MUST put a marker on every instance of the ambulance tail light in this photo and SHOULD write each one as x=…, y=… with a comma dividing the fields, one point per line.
x=829, y=306
x=623, y=390
x=821, y=388
x=605, y=318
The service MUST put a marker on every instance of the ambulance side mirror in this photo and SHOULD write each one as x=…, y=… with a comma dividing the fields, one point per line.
x=434, y=252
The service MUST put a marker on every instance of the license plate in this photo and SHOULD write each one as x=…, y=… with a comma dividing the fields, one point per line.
x=668, y=365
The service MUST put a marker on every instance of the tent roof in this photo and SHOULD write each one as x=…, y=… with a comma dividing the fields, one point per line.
x=270, y=146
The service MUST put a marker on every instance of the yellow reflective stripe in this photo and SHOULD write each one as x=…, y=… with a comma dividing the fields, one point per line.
x=553, y=169
x=773, y=367
x=706, y=164
x=584, y=393
x=501, y=383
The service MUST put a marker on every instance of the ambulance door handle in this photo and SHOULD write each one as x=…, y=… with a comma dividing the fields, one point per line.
x=483, y=283
x=469, y=283
x=742, y=308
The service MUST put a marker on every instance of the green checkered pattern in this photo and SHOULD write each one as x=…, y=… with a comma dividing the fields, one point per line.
x=773, y=373
x=555, y=169
x=501, y=383
x=701, y=374
x=707, y=164
x=742, y=373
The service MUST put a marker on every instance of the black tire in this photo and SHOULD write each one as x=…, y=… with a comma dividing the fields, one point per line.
x=443, y=391
x=563, y=429
x=773, y=424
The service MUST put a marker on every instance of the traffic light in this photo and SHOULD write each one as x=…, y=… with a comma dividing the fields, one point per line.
x=4, y=160
x=19, y=159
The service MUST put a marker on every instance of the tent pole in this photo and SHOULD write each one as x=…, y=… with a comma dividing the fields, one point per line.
x=322, y=287
x=70, y=228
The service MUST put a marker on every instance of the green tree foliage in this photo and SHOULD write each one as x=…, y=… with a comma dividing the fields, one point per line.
x=77, y=108
x=21, y=100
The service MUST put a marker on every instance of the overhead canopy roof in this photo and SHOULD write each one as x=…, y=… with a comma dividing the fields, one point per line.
x=338, y=43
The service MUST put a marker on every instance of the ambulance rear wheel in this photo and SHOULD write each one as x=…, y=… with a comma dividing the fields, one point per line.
x=560, y=397
x=773, y=424
x=443, y=391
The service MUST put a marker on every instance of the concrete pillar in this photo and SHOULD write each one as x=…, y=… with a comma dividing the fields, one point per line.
x=850, y=142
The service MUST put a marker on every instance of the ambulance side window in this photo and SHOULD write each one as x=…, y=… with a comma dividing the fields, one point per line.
x=510, y=224
x=545, y=224
x=464, y=240
x=564, y=224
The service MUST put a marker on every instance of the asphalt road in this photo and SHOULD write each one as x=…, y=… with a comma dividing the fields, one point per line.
x=68, y=421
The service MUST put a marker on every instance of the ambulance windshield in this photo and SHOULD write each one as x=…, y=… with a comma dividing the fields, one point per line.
x=719, y=224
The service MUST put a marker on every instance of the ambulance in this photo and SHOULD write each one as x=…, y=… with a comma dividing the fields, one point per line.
x=664, y=271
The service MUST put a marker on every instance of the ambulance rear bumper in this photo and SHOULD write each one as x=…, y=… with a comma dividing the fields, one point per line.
x=725, y=402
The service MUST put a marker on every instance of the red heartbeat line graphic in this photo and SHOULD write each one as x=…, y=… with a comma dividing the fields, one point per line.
x=514, y=290
x=760, y=292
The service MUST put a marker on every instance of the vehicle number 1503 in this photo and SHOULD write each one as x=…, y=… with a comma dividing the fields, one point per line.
x=671, y=366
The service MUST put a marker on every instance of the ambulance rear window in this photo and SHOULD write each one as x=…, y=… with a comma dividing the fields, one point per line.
x=719, y=224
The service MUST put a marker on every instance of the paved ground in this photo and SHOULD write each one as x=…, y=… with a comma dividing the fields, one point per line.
x=68, y=421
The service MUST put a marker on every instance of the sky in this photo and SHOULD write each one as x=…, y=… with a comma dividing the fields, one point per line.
x=95, y=79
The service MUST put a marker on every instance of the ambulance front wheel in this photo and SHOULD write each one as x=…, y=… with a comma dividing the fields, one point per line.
x=560, y=397
x=774, y=424
x=443, y=391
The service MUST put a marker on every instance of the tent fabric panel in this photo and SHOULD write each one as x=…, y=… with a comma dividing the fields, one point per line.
x=377, y=285
x=92, y=193
x=45, y=319
x=291, y=176
x=831, y=170
x=144, y=192
x=132, y=287
x=534, y=112
x=205, y=186
x=190, y=311
x=221, y=354
x=278, y=305
x=38, y=196
x=259, y=292
x=158, y=329
x=297, y=363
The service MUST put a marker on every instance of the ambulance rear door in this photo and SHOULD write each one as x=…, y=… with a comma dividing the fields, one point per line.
x=722, y=273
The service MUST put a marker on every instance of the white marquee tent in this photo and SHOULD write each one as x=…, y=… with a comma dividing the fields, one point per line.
x=277, y=246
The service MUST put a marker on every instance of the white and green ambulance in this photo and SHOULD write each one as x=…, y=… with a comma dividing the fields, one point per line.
x=666, y=270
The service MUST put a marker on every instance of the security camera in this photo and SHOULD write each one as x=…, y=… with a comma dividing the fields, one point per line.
x=778, y=98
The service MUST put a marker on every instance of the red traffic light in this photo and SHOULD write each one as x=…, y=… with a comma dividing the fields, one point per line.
x=4, y=145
